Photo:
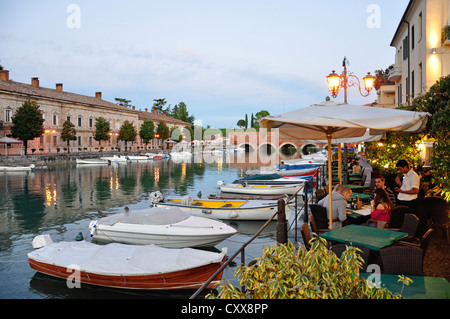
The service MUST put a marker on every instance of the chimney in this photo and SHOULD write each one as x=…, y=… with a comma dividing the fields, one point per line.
x=4, y=75
x=98, y=95
x=59, y=87
x=155, y=111
x=146, y=110
x=133, y=108
x=35, y=82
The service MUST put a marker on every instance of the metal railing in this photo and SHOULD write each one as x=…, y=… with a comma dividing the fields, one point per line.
x=242, y=249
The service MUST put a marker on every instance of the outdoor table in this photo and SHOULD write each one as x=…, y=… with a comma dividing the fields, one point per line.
x=362, y=197
x=356, y=188
x=370, y=237
x=358, y=216
x=420, y=288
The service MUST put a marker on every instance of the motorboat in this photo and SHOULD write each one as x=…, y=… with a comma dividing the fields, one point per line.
x=168, y=227
x=89, y=161
x=158, y=156
x=270, y=179
x=138, y=158
x=225, y=209
x=180, y=154
x=115, y=265
x=115, y=158
x=251, y=189
x=285, y=171
x=17, y=168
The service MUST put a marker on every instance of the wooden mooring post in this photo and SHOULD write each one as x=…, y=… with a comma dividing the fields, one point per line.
x=281, y=223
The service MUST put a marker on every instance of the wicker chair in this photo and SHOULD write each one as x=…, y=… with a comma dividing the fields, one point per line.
x=318, y=218
x=402, y=260
x=410, y=224
x=306, y=235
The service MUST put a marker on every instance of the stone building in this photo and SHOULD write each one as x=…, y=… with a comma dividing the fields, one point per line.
x=58, y=106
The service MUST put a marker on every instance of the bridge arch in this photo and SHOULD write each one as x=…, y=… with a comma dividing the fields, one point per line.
x=288, y=148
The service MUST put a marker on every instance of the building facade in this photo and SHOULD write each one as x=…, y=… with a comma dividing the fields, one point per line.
x=422, y=51
x=57, y=106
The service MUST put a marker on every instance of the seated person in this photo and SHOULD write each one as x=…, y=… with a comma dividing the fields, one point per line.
x=380, y=183
x=339, y=202
x=381, y=207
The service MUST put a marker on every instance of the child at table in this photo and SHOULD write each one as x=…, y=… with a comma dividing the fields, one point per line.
x=381, y=207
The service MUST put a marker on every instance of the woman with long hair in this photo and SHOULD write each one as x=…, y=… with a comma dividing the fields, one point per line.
x=381, y=207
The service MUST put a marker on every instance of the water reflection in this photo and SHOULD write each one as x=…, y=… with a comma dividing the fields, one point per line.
x=63, y=199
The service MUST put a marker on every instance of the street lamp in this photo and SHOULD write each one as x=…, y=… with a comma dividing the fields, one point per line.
x=345, y=80
x=49, y=138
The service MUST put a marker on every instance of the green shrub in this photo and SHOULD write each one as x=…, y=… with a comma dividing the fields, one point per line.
x=284, y=272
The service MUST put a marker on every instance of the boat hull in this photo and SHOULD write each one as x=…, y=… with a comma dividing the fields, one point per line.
x=164, y=227
x=261, y=189
x=183, y=279
x=108, y=234
x=243, y=212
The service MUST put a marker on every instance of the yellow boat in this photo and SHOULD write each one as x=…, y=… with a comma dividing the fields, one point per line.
x=223, y=208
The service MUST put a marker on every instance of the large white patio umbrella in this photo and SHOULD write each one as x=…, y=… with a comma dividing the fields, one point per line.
x=7, y=140
x=332, y=120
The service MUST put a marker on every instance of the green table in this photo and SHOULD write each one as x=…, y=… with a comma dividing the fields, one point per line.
x=420, y=288
x=362, y=197
x=370, y=237
x=356, y=188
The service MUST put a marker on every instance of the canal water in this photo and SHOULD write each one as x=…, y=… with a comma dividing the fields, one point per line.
x=61, y=200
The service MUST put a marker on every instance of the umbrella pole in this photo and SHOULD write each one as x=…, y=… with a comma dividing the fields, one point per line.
x=340, y=163
x=330, y=183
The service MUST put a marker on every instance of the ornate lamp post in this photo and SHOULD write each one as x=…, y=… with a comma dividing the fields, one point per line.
x=345, y=80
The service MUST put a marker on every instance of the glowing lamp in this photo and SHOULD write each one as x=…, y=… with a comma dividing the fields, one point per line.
x=334, y=82
x=368, y=81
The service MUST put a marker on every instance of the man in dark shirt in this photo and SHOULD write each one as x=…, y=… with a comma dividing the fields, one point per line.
x=379, y=183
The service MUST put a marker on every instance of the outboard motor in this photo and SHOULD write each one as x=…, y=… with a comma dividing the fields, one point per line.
x=41, y=241
x=156, y=197
x=220, y=184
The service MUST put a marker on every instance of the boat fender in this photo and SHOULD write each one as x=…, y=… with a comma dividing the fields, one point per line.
x=156, y=197
x=234, y=214
x=41, y=241
x=32, y=166
x=93, y=227
x=206, y=211
x=220, y=184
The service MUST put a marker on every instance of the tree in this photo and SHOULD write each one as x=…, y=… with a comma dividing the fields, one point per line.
x=127, y=132
x=102, y=129
x=241, y=123
x=437, y=102
x=68, y=133
x=123, y=102
x=28, y=122
x=147, y=131
x=158, y=105
x=181, y=113
x=258, y=117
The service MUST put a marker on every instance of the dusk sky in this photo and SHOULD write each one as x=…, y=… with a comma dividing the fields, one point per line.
x=222, y=58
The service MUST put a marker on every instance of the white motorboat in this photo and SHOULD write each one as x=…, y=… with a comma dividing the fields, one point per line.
x=17, y=168
x=138, y=158
x=180, y=154
x=144, y=267
x=92, y=161
x=225, y=209
x=168, y=227
x=285, y=171
x=115, y=158
x=252, y=189
x=269, y=179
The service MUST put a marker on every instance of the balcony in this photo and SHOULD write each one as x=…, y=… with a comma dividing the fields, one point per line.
x=395, y=73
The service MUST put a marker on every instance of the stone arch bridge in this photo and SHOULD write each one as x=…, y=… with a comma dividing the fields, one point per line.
x=268, y=142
